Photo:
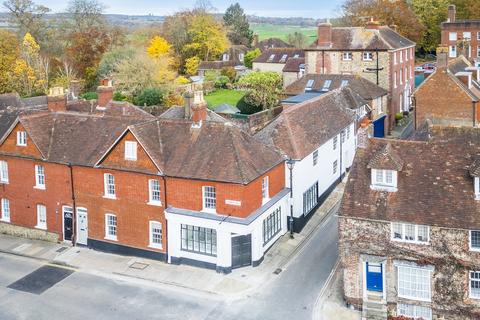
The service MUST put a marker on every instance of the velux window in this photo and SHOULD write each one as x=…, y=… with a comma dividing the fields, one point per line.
x=309, y=85
x=326, y=85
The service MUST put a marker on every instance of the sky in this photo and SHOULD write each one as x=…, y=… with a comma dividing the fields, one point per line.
x=268, y=8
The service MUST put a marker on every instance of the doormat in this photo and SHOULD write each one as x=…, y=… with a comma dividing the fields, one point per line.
x=138, y=266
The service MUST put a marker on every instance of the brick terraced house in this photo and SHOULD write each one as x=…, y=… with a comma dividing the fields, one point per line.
x=409, y=227
x=376, y=53
x=318, y=136
x=116, y=179
x=450, y=95
x=462, y=37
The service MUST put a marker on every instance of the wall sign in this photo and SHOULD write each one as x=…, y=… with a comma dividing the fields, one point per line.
x=233, y=202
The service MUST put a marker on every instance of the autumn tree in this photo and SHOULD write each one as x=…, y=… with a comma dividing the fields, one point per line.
x=158, y=47
x=191, y=66
x=239, y=29
x=387, y=12
x=85, y=14
x=250, y=56
x=9, y=52
x=263, y=88
x=431, y=14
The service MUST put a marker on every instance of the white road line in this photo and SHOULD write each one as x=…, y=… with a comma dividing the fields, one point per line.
x=316, y=308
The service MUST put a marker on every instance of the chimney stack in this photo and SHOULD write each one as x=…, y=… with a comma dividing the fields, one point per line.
x=324, y=34
x=195, y=107
x=57, y=100
x=442, y=57
x=255, y=39
x=372, y=24
x=105, y=93
x=452, y=12
x=74, y=89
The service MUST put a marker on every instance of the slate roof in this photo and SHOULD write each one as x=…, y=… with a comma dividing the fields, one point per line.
x=278, y=54
x=303, y=128
x=365, y=88
x=294, y=64
x=216, y=151
x=434, y=187
x=360, y=38
x=272, y=43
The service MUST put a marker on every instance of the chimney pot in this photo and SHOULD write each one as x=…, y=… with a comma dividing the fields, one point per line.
x=195, y=106
x=57, y=100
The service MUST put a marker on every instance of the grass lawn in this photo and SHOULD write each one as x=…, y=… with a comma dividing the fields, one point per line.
x=220, y=96
x=266, y=31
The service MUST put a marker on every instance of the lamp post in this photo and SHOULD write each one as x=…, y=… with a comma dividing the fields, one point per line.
x=290, y=165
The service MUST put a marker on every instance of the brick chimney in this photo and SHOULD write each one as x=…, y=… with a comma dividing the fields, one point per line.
x=324, y=34
x=105, y=93
x=255, y=39
x=195, y=107
x=57, y=100
x=372, y=24
x=452, y=13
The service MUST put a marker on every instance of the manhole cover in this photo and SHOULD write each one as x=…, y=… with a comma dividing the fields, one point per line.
x=62, y=249
x=138, y=265
x=277, y=271
x=41, y=279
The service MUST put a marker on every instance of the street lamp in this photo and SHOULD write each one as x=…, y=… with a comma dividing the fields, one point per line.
x=290, y=165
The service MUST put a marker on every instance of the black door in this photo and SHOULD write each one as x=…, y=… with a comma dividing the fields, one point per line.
x=67, y=224
x=241, y=251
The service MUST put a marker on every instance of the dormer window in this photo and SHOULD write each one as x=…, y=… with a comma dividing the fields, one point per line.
x=131, y=150
x=476, y=186
x=475, y=173
x=384, y=178
x=21, y=138
x=385, y=165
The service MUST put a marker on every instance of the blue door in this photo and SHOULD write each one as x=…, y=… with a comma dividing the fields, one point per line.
x=374, y=277
x=379, y=128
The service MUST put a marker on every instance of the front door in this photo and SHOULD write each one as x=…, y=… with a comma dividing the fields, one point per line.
x=241, y=251
x=379, y=128
x=374, y=277
x=82, y=226
x=67, y=223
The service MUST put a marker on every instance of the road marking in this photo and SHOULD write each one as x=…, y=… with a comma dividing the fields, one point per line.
x=316, y=307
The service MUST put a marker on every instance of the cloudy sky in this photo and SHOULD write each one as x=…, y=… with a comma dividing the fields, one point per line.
x=271, y=8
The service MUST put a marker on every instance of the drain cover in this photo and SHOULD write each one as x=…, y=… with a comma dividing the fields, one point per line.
x=277, y=271
x=62, y=249
x=41, y=279
x=138, y=265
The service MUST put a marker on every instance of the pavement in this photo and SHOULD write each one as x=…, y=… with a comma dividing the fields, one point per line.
x=304, y=266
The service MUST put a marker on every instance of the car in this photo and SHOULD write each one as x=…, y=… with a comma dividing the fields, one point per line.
x=419, y=69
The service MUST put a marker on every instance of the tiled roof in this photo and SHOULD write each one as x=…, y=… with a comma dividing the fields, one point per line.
x=360, y=38
x=300, y=129
x=434, y=187
x=475, y=168
x=179, y=113
x=386, y=158
x=278, y=53
x=217, y=151
x=294, y=64
x=366, y=89
x=272, y=43
x=216, y=65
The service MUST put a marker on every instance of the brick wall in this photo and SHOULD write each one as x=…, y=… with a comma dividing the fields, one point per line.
x=130, y=206
x=459, y=29
x=10, y=145
x=440, y=97
x=24, y=197
x=187, y=194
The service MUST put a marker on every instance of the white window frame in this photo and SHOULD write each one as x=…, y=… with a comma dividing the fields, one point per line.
x=347, y=56
x=401, y=56
x=39, y=177
x=395, y=80
x=406, y=55
x=403, y=229
x=265, y=189
x=335, y=142
x=395, y=58
x=109, y=186
x=401, y=76
x=335, y=167
x=344, y=83
x=21, y=138
x=414, y=279
x=5, y=217
x=315, y=158
x=3, y=171
x=470, y=236
x=472, y=279
x=367, y=56
x=41, y=217
x=309, y=85
x=108, y=235
x=414, y=311
x=151, y=193
x=384, y=184
x=131, y=150
x=467, y=35
x=152, y=225
x=452, y=36
x=206, y=192
x=452, y=51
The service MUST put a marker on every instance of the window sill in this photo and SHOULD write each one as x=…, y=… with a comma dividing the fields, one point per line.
x=155, y=246
x=131, y=159
x=475, y=249
x=411, y=242
x=110, y=197
x=3, y=182
x=39, y=187
x=213, y=211
x=383, y=188
x=41, y=228
x=5, y=220
x=415, y=298
x=154, y=203
x=111, y=238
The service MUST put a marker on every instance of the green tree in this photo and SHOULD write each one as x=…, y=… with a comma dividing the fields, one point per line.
x=27, y=17
x=9, y=53
x=263, y=88
x=250, y=56
x=297, y=39
x=150, y=97
x=431, y=14
x=111, y=59
x=239, y=28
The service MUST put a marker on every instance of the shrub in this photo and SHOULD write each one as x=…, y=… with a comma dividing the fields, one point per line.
x=150, y=97
x=210, y=75
x=229, y=72
x=250, y=56
x=221, y=82
x=118, y=96
x=398, y=116
x=89, y=95
x=182, y=80
x=174, y=99
x=246, y=108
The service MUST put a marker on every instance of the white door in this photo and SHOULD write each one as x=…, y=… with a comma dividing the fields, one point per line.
x=82, y=226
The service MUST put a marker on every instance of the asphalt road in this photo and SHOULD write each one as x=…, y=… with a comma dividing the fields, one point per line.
x=290, y=295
